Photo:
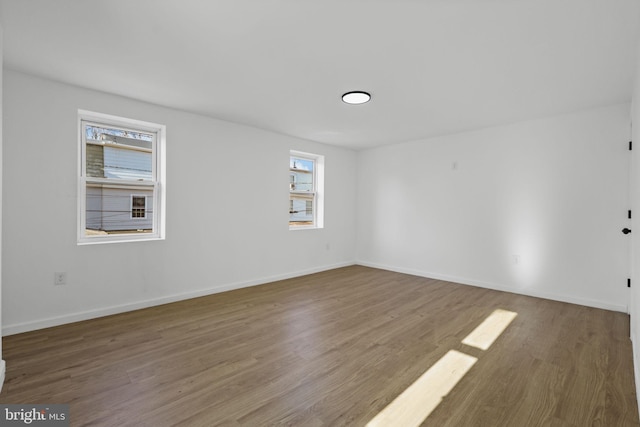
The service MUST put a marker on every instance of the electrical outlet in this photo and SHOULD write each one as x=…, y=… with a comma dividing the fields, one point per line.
x=60, y=278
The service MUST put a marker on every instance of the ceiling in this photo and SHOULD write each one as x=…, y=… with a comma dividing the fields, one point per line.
x=433, y=67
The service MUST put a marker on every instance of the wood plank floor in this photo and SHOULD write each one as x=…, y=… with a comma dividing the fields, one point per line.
x=330, y=349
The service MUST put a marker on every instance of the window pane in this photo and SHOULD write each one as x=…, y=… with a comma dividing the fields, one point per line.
x=118, y=154
x=301, y=210
x=301, y=174
x=139, y=201
x=99, y=133
x=138, y=206
x=118, y=209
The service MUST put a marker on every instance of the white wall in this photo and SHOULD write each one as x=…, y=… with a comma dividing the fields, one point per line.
x=2, y=362
x=227, y=210
x=553, y=192
x=634, y=305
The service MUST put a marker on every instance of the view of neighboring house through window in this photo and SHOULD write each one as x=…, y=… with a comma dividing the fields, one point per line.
x=139, y=207
x=306, y=176
x=121, y=186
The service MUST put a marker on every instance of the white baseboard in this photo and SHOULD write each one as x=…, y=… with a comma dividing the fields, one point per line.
x=498, y=287
x=3, y=367
x=18, y=328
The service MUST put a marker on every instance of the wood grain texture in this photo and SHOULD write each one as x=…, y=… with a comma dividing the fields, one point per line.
x=329, y=349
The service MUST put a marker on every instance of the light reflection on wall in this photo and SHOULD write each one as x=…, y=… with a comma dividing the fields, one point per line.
x=524, y=244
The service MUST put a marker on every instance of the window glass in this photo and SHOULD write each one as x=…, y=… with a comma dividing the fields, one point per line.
x=139, y=207
x=305, y=178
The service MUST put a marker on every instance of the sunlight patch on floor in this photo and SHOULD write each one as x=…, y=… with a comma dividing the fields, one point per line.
x=490, y=329
x=425, y=394
x=417, y=402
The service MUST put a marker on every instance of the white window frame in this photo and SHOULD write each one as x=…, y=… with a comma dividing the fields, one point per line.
x=317, y=192
x=131, y=207
x=157, y=183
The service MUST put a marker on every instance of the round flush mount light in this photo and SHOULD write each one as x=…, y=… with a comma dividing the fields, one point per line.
x=356, y=97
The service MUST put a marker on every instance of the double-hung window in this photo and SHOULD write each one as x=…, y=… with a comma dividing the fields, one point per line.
x=306, y=184
x=121, y=179
x=139, y=206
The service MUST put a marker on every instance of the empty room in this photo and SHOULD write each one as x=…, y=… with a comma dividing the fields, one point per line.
x=320, y=213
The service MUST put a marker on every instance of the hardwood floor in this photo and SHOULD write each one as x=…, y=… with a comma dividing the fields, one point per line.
x=330, y=349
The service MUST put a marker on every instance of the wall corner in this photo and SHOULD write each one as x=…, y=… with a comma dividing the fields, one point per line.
x=2, y=372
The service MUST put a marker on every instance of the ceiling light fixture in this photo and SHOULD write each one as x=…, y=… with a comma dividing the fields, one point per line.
x=356, y=97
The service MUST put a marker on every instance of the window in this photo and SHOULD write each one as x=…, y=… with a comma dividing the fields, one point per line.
x=121, y=179
x=138, y=207
x=306, y=183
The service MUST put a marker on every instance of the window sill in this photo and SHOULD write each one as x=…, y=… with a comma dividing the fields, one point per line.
x=117, y=239
x=304, y=227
